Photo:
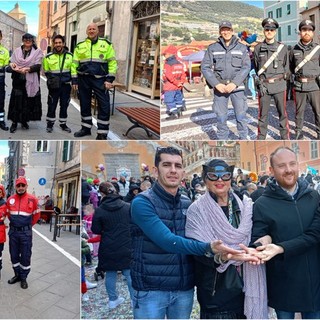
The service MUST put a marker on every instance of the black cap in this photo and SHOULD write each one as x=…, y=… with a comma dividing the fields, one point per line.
x=269, y=23
x=307, y=24
x=216, y=165
x=27, y=36
x=225, y=24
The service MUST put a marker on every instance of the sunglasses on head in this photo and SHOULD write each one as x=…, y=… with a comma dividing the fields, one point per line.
x=21, y=185
x=214, y=176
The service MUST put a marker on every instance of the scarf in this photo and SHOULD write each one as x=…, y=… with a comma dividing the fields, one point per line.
x=32, y=79
x=207, y=222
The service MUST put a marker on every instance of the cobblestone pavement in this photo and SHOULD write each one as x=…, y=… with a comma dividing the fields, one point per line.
x=97, y=305
x=198, y=122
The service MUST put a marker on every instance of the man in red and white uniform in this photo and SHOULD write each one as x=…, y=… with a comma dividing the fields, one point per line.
x=24, y=213
x=173, y=79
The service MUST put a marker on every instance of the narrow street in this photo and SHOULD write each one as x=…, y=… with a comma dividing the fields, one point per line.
x=54, y=280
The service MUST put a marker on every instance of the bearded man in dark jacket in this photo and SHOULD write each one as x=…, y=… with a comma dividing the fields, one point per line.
x=285, y=211
x=111, y=220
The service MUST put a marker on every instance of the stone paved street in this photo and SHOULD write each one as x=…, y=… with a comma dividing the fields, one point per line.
x=54, y=280
x=199, y=122
x=119, y=123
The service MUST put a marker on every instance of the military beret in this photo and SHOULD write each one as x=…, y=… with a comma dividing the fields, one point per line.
x=269, y=23
x=307, y=24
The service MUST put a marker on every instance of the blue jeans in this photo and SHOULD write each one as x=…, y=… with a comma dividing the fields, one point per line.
x=304, y=315
x=162, y=304
x=111, y=280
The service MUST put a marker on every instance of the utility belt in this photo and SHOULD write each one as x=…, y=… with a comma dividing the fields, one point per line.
x=274, y=79
x=306, y=79
x=24, y=228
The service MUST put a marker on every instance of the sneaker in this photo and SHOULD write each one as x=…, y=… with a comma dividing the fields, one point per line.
x=85, y=297
x=113, y=304
x=90, y=285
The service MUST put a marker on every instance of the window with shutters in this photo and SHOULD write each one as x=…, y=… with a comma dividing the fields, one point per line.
x=67, y=151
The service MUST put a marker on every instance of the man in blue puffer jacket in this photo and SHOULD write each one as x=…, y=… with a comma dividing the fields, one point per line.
x=225, y=66
x=161, y=270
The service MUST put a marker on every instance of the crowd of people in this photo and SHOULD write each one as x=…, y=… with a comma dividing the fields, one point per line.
x=235, y=241
x=231, y=65
x=91, y=68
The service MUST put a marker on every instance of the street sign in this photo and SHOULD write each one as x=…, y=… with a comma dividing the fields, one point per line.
x=42, y=181
x=21, y=172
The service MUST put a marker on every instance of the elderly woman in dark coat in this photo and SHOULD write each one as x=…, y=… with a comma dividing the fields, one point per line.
x=25, y=100
x=112, y=221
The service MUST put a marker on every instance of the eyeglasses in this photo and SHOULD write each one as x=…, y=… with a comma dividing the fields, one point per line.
x=214, y=176
x=269, y=30
x=20, y=185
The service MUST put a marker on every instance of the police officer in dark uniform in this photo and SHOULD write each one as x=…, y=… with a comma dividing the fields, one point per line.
x=271, y=78
x=225, y=66
x=4, y=61
x=306, y=76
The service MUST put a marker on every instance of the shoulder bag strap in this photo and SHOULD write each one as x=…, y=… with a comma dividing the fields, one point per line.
x=306, y=59
x=270, y=60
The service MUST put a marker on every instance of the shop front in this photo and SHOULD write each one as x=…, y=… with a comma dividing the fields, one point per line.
x=145, y=74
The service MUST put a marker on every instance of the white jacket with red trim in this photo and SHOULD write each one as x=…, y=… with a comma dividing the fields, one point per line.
x=173, y=74
x=23, y=210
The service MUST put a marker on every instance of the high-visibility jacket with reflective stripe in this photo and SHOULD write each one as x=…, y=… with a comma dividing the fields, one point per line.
x=23, y=210
x=96, y=58
x=4, y=58
x=52, y=62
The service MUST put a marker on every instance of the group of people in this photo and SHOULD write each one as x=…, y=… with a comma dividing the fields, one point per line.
x=226, y=67
x=90, y=68
x=242, y=255
x=22, y=211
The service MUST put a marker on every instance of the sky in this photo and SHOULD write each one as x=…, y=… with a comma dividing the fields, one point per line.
x=255, y=3
x=4, y=150
x=31, y=8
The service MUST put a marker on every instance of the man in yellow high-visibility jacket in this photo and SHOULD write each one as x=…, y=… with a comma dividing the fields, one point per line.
x=57, y=65
x=96, y=66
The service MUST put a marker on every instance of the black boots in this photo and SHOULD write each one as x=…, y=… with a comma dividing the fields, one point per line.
x=24, y=284
x=101, y=136
x=13, y=127
x=83, y=132
x=14, y=279
x=50, y=126
x=3, y=126
x=64, y=127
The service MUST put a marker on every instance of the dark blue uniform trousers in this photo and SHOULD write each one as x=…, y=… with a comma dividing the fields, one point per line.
x=87, y=85
x=220, y=107
x=62, y=94
x=20, y=244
